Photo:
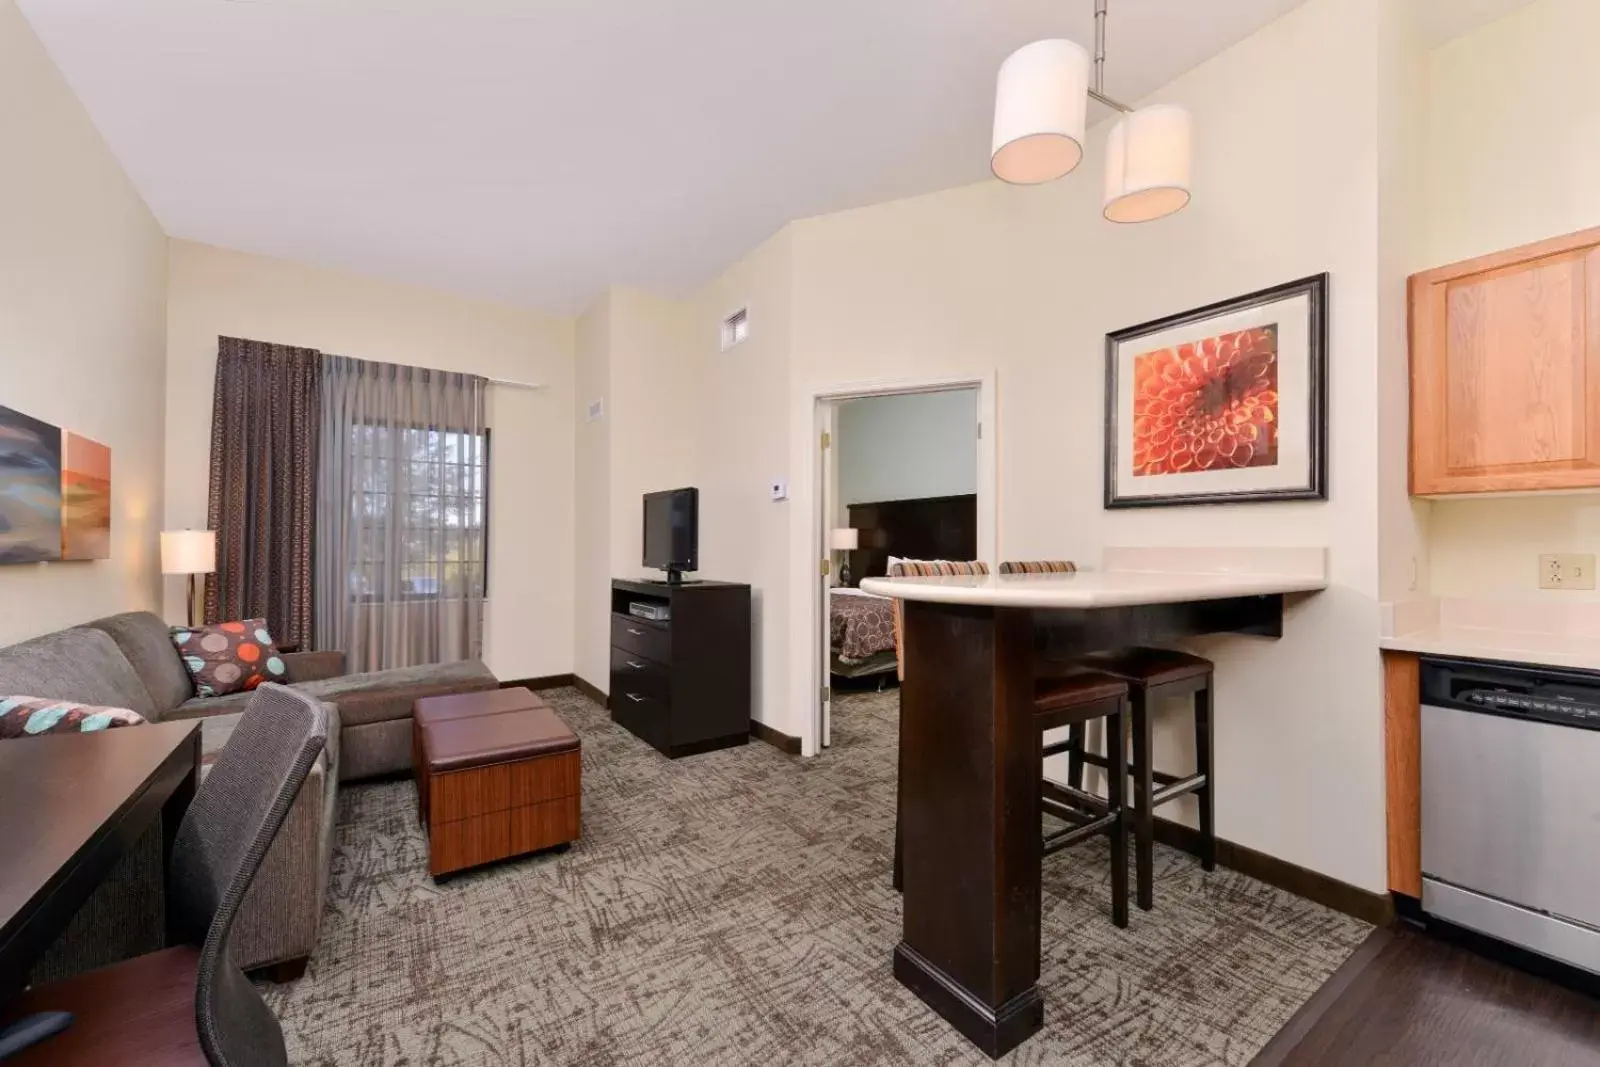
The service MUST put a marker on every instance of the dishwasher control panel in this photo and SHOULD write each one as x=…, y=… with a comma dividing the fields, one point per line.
x=1565, y=698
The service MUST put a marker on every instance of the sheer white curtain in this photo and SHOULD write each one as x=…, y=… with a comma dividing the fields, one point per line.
x=402, y=514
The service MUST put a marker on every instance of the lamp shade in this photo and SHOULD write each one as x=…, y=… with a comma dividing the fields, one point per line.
x=1147, y=164
x=188, y=551
x=845, y=539
x=1040, y=104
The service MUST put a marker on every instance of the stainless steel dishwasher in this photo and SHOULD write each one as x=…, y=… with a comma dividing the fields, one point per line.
x=1511, y=804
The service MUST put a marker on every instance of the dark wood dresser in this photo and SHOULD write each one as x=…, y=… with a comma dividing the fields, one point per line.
x=682, y=684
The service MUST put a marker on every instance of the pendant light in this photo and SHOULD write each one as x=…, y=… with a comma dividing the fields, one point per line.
x=1147, y=164
x=1040, y=107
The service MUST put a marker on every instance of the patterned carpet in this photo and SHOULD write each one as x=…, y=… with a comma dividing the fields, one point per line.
x=735, y=908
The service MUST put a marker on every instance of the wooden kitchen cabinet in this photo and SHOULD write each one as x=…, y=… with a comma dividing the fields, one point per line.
x=1505, y=370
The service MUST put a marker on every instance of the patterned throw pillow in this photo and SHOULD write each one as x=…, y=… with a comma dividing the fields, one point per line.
x=32, y=716
x=229, y=657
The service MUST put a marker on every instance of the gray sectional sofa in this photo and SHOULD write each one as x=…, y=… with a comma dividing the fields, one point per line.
x=129, y=661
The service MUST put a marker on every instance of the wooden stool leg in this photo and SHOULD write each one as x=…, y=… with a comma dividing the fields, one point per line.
x=1204, y=751
x=1116, y=786
x=1144, y=824
x=1077, y=737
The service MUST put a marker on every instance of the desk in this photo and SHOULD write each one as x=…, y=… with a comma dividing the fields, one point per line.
x=70, y=806
x=970, y=764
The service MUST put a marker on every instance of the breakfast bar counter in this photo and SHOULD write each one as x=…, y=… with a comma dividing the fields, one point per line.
x=969, y=748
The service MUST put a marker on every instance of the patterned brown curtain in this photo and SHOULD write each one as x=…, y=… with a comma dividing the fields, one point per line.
x=264, y=426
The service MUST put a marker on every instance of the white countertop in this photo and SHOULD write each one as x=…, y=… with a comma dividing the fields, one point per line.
x=1511, y=646
x=1090, y=589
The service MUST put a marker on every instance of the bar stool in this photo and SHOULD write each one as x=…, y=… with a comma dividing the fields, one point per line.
x=1074, y=701
x=1154, y=674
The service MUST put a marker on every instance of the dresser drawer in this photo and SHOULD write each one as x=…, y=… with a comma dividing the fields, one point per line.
x=639, y=674
x=650, y=640
x=646, y=716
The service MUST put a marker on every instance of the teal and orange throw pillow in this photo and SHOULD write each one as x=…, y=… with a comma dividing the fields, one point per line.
x=34, y=716
x=229, y=657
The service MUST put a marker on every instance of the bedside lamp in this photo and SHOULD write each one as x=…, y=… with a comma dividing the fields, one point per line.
x=845, y=539
x=189, y=552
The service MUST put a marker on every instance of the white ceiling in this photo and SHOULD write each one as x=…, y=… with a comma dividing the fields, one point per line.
x=535, y=151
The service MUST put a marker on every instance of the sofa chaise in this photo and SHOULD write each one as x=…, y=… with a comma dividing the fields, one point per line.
x=129, y=661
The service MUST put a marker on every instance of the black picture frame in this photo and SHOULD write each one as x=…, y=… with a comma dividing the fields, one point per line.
x=1315, y=288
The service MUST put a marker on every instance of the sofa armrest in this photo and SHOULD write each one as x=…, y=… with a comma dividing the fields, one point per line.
x=313, y=666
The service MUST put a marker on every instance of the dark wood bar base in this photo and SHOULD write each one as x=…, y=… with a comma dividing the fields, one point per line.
x=994, y=1030
x=968, y=846
x=970, y=820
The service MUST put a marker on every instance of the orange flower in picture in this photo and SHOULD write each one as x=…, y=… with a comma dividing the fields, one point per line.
x=1209, y=405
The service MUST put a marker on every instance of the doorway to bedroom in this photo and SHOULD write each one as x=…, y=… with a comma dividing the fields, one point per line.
x=901, y=479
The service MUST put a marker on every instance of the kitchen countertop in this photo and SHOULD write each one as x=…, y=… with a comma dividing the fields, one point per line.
x=1089, y=589
x=1580, y=651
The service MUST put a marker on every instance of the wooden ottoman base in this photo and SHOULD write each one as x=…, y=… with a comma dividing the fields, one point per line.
x=492, y=813
x=499, y=785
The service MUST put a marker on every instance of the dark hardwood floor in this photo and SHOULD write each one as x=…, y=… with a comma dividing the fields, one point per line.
x=1411, y=998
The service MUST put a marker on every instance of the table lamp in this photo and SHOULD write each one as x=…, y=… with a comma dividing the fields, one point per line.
x=846, y=539
x=189, y=552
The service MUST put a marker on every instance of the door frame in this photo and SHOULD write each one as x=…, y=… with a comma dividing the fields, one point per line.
x=808, y=669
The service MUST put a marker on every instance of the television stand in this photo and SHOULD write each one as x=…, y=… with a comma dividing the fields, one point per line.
x=682, y=684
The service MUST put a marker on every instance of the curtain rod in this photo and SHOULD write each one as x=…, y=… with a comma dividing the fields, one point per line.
x=509, y=383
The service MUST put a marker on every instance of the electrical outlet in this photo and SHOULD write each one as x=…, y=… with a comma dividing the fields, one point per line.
x=1566, y=570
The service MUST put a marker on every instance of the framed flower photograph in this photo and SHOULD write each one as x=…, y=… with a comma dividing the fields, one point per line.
x=1224, y=404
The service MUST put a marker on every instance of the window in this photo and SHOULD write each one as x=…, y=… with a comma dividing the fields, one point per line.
x=423, y=503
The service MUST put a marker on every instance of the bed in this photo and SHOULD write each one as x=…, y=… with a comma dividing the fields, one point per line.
x=860, y=633
x=861, y=626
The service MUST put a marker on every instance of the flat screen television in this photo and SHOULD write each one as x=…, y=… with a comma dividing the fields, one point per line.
x=672, y=531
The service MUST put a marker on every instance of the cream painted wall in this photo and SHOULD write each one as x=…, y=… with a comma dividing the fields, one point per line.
x=633, y=353
x=1513, y=136
x=591, y=570
x=742, y=408
x=1513, y=150
x=82, y=329
x=1404, y=556
x=1028, y=281
x=653, y=395
x=214, y=292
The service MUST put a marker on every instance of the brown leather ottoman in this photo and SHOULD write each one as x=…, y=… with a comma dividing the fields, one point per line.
x=434, y=709
x=499, y=785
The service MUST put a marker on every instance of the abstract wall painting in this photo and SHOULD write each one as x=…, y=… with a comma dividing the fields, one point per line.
x=1223, y=404
x=55, y=493
x=30, y=489
x=85, y=499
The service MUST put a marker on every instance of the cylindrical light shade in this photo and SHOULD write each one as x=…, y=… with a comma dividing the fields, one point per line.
x=1147, y=164
x=845, y=539
x=188, y=551
x=1040, y=102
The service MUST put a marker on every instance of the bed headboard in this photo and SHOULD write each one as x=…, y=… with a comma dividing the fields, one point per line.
x=938, y=527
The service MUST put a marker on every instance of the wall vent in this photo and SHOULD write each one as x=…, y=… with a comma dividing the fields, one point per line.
x=735, y=328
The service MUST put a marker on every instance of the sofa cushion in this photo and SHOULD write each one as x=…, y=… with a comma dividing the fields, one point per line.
x=229, y=657
x=33, y=716
x=79, y=664
x=146, y=643
x=205, y=707
x=217, y=730
x=379, y=696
